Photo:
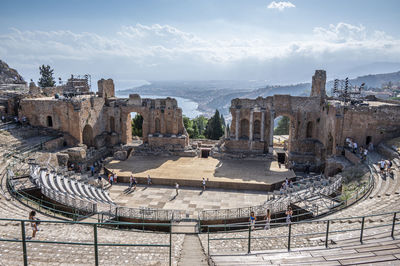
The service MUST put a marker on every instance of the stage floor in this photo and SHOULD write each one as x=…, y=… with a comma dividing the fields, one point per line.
x=181, y=169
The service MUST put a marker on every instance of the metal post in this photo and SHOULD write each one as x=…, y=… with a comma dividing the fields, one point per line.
x=208, y=241
x=170, y=244
x=327, y=233
x=289, y=236
x=249, y=240
x=362, y=229
x=24, y=243
x=96, y=250
x=394, y=222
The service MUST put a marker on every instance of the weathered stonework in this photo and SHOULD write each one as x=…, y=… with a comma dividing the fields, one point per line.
x=318, y=126
x=104, y=120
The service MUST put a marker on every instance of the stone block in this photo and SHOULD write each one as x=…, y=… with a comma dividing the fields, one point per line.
x=77, y=154
x=62, y=159
x=121, y=155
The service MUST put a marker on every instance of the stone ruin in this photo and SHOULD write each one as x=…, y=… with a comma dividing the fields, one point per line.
x=319, y=124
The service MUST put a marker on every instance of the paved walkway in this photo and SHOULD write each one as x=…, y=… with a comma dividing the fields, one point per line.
x=192, y=200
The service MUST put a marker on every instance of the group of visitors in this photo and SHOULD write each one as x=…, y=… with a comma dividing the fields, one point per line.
x=385, y=166
x=285, y=186
x=267, y=218
x=362, y=151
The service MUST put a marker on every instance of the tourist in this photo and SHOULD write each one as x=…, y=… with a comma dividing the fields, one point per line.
x=134, y=183
x=131, y=181
x=204, y=184
x=177, y=188
x=389, y=165
x=354, y=147
x=92, y=169
x=34, y=225
x=382, y=165
x=267, y=219
x=115, y=178
x=370, y=146
x=252, y=220
x=149, y=182
x=111, y=179
x=289, y=213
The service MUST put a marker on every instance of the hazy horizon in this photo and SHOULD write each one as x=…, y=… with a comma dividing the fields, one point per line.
x=279, y=42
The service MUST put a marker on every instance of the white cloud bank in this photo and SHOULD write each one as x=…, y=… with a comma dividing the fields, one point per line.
x=157, y=52
x=280, y=5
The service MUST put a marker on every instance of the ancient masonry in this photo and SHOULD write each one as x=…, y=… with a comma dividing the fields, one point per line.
x=104, y=120
x=319, y=124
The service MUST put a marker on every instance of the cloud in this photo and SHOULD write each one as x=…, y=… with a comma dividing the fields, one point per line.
x=280, y=5
x=165, y=52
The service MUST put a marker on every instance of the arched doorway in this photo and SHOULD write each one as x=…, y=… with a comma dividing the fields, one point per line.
x=244, y=129
x=87, y=136
x=49, y=121
x=282, y=132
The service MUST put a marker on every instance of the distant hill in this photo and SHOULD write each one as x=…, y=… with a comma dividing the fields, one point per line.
x=9, y=75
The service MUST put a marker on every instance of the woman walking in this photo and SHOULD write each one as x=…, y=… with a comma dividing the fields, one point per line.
x=289, y=213
x=34, y=224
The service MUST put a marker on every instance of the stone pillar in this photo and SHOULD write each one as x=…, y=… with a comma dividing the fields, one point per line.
x=237, y=124
x=262, y=125
x=126, y=128
x=271, y=132
x=251, y=125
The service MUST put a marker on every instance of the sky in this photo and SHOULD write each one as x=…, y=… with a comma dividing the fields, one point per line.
x=281, y=42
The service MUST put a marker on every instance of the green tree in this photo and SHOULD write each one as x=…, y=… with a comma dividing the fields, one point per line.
x=46, y=77
x=214, y=129
x=189, y=126
x=283, y=126
x=137, y=123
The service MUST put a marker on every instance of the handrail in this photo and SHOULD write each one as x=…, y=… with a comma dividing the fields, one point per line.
x=24, y=240
x=289, y=236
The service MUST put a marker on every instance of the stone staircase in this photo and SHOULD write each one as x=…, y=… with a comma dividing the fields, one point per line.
x=192, y=252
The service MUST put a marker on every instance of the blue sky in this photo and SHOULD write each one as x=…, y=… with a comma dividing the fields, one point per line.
x=277, y=41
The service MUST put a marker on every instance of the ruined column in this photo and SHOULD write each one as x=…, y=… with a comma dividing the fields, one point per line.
x=251, y=125
x=237, y=124
x=271, y=132
x=126, y=128
x=262, y=125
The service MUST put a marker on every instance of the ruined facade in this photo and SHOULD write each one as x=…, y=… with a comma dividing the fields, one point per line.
x=104, y=120
x=318, y=125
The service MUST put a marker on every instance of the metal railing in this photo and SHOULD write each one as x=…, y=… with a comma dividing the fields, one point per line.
x=96, y=243
x=391, y=222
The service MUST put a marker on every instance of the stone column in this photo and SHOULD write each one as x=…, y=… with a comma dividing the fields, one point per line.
x=251, y=125
x=262, y=124
x=237, y=124
x=271, y=132
x=126, y=128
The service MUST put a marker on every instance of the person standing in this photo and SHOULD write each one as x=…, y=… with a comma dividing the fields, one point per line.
x=131, y=181
x=149, y=180
x=177, y=188
x=92, y=169
x=34, y=223
x=204, y=184
x=134, y=183
x=252, y=220
x=267, y=219
x=289, y=213
x=111, y=179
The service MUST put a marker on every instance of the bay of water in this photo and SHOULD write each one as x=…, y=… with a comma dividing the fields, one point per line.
x=189, y=107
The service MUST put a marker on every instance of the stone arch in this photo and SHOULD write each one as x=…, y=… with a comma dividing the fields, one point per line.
x=157, y=125
x=112, y=124
x=292, y=129
x=309, y=130
x=49, y=121
x=87, y=136
x=244, y=128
